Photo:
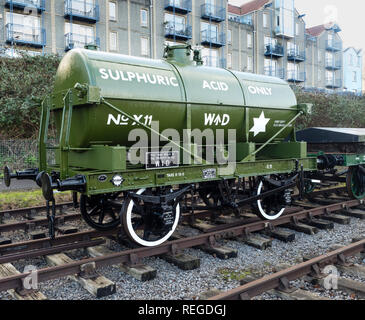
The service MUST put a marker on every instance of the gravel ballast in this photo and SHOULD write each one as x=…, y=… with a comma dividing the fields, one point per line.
x=173, y=283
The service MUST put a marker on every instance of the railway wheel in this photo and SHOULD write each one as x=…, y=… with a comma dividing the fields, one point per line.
x=147, y=224
x=272, y=207
x=355, y=182
x=100, y=212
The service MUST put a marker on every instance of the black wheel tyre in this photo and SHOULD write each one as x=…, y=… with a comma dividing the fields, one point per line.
x=94, y=203
x=355, y=183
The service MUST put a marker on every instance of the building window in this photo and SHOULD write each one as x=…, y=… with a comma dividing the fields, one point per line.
x=249, y=40
x=319, y=56
x=25, y=27
x=112, y=11
x=229, y=36
x=144, y=18
x=229, y=61
x=319, y=76
x=144, y=47
x=81, y=35
x=249, y=63
x=297, y=28
x=354, y=76
x=266, y=20
x=210, y=57
x=113, y=37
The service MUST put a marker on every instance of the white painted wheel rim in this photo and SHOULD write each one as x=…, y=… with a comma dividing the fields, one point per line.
x=263, y=213
x=134, y=235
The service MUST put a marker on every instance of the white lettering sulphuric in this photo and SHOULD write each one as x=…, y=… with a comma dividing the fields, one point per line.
x=130, y=76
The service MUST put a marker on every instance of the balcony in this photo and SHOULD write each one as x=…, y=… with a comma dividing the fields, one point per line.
x=178, y=31
x=213, y=13
x=274, y=50
x=213, y=39
x=333, y=45
x=40, y=5
x=247, y=19
x=25, y=35
x=333, y=83
x=210, y=61
x=178, y=6
x=73, y=40
x=273, y=72
x=333, y=65
x=295, y=76
x=296, y=55
x=311, y=38
x=86, y=11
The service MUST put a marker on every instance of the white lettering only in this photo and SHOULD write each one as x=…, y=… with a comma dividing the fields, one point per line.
x=265, y=91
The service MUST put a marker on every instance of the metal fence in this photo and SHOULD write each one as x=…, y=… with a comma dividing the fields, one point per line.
x=19, y=154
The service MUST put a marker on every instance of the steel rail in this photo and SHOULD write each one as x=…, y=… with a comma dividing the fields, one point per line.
x=133, y=256
x=273, y=281
x=29, y=224
x=28, y=210
x=28, y=246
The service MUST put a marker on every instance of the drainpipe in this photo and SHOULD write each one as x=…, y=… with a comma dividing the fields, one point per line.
x=151, y=28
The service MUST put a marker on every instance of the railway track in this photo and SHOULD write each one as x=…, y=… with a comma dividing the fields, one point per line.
x=312, y=269
x=131, y=258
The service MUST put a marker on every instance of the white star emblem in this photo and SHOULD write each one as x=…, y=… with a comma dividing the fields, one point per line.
x=259, y=124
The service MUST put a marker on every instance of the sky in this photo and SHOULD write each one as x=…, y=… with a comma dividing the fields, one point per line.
x=349, y=14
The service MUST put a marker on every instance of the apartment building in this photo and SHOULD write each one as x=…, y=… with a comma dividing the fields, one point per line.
x=352, y=70
x=262, y=36
x=134, y=27
x=325, y=58
x=277, y=39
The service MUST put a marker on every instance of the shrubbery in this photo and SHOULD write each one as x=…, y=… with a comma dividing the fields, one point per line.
x=25, y=81
x=332, y=110
x=23, y=84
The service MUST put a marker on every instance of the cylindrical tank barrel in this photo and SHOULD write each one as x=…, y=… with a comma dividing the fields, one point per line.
x=178, y=94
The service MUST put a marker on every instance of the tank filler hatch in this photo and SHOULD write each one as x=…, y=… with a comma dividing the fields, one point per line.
x=182, y=54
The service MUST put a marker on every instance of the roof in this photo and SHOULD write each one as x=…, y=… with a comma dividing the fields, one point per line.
x=316, y=31
x=247, y=7
x=253, y=6
x=358, y=52
x=331, y=135
x=234, y=9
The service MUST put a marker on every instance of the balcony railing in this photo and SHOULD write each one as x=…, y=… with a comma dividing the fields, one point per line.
x=214, y=13
x=87, y=11
x=179, y=6
x=179, y=31
x=25, y=35
x=333, y=45
x=311, y=38
x=333, y=65
x=214, y=39
x=210, y=61
x=333, y=83
x=296, y=55
x=274, y=72
x=295, y=76
x=274, y=50
x=247, y=19
x=74, y=40
x=40, y=5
